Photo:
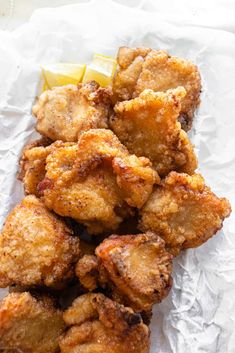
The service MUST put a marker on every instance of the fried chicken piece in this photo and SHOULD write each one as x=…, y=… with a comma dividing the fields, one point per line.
x=32, y=164
x=87, y=270
x=29, y=325
x=100, y=325
x=63, y=113
x=88, y=194
x=148, y=127
x=36, y=247
x=184, y=212
x=130, y=64
x=142, y=68
x=135, y=268
x=139, y=268
x=96, y=182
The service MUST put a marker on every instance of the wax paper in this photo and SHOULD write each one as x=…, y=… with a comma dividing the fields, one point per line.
x=199, y=314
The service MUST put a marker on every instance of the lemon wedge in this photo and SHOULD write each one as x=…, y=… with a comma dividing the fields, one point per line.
x=101, y=70
x=44, y=86
x=61, y=74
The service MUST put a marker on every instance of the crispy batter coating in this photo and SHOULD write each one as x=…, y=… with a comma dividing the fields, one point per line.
x=100, y=325
x=138, y=266
x=184, y=212
x=92, y=199
x=143, y=68
x=30, y=325
x=63, y=113
x=148, y=127
x=36, y=248
x=87, y=270
x=130, y=65
x=96, y=181
x=32, y=164
x=135, y=268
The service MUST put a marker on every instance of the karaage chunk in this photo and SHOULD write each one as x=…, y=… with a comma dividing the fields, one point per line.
x=96, y=182
x=63, y=113
x=135, y=179
x=142, y=68
x=136, y=269
x=100, y=325
x=87, y=270
x=139, y=268
x=148, y=127
x=130, y=63
x=33, y=163
x=36, y=248
x=29, y=325
x=184, y=212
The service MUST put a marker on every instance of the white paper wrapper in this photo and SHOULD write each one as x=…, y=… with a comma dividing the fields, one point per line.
x=199, y=314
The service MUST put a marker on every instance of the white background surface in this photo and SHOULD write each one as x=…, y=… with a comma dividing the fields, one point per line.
x=199, y=314
x=214, y=13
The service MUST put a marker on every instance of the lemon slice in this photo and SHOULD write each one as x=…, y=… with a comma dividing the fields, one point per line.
x=61, y=74
x=101, y=70
x=108, y=63
x=45, y=85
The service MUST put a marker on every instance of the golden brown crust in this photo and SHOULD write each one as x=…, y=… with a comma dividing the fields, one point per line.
x=36, y=248
x=41, y=142
x=138, y=267
x=184, y=212
x=32, y=164
x=135, y=269
x=142, y=68
x=30, y=325
x=135, y=179
x=96, y=181
x=63, y=113
x=87, y=272
x=148, y=127
x=100, y=325
x=130, y=62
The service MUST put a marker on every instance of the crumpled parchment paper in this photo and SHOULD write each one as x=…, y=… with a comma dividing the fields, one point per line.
x=199, y=314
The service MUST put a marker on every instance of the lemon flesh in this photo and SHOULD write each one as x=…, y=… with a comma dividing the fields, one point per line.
x=61, y=74
x=101, y=70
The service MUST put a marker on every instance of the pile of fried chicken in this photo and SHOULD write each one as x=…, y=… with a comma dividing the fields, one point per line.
x=111, y=197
